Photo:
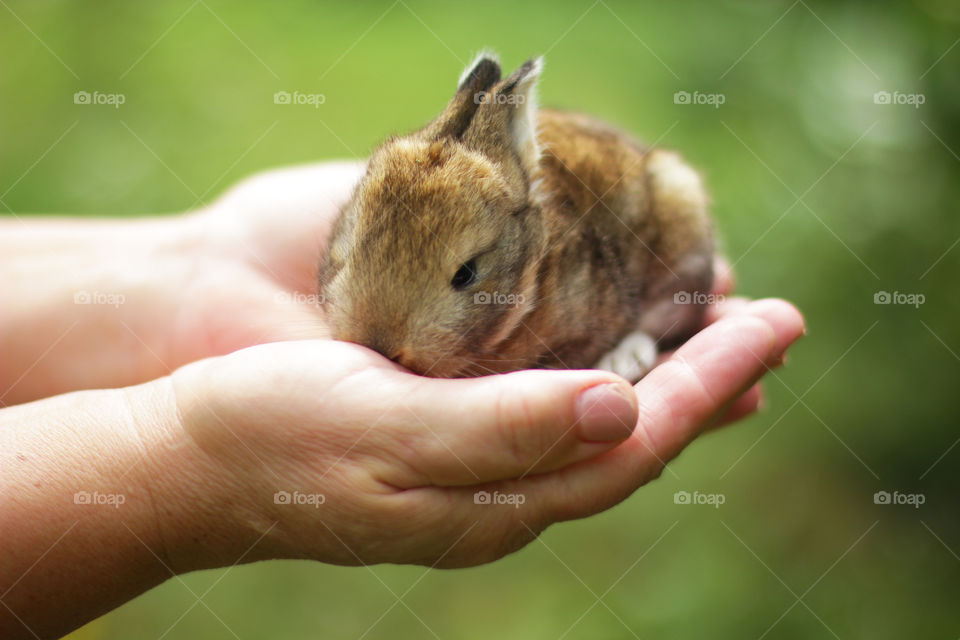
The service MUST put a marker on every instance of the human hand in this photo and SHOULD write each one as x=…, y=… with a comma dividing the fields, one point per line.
x=198, y=460
x=399, y=458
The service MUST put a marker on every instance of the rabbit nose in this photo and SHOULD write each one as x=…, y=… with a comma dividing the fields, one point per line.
x=378, y=341
x=401, y=356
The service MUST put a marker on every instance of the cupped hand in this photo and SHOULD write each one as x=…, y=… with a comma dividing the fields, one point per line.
x=325, y=450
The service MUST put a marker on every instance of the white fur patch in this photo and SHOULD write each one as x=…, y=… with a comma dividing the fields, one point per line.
x=673, y=177
x=632, y=358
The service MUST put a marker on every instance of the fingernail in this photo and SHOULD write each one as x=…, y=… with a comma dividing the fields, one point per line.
x=607, y=412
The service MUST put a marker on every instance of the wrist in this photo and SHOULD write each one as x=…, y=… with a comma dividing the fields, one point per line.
x=201, y=511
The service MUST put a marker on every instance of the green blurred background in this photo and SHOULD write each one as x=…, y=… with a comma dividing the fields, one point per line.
x=822, y=196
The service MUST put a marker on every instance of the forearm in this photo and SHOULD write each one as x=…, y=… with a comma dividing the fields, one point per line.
x=89, y=514
x=68, y=289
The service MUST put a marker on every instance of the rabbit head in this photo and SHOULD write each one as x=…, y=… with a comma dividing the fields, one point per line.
x=434, y=261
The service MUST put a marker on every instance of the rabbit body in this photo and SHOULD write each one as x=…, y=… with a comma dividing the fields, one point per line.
x=503, y=237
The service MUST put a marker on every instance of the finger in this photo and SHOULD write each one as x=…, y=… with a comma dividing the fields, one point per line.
x=677, y=401
x=702, y=377
x=726, y=307
x=748, y=403
x=471, y=431
x=783, y=317
x=715, y=311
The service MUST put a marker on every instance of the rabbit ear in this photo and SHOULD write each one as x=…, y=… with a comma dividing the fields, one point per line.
x=505, y=124
x=475, y=81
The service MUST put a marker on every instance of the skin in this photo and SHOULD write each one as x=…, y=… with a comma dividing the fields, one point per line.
x=199, y=443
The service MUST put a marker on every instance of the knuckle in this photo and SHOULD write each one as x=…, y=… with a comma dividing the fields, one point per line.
x=644, y=431
x=693, y=380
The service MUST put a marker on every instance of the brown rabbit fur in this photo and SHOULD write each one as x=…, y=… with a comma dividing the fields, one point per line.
x=500, y=237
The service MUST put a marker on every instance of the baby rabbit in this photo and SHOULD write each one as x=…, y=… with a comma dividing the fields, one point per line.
x=503, y=237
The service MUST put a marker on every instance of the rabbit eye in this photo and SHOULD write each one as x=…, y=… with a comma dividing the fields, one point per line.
x=465, y=276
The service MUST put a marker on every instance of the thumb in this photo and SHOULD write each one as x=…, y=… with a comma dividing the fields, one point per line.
x=471, y=431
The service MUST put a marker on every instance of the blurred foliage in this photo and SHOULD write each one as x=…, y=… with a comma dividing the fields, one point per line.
x=821, y=196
